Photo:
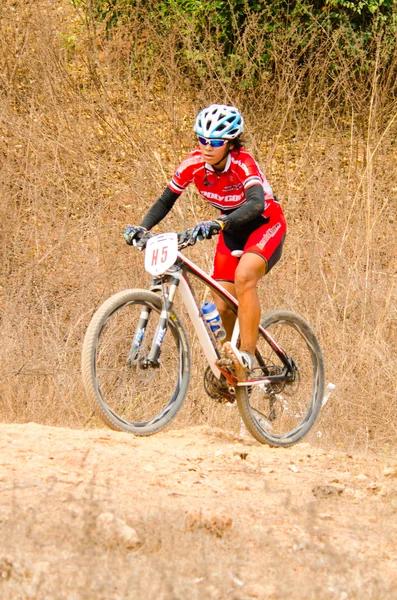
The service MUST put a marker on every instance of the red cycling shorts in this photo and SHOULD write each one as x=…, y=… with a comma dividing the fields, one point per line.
x=266, y=241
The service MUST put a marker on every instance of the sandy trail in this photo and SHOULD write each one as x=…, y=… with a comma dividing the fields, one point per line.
x=209, y=515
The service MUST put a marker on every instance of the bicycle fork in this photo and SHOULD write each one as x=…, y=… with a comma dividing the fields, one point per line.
x=152, y=359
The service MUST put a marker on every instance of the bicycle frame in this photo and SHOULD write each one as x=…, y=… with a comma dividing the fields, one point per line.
x=178, y=276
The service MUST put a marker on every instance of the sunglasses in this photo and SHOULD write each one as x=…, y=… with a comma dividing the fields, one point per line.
x=214, y=143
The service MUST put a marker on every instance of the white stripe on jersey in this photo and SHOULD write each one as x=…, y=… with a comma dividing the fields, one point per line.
x=253, y=180
x=176, y=187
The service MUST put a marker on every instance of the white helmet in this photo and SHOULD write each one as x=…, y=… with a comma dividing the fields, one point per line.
x=219, y=121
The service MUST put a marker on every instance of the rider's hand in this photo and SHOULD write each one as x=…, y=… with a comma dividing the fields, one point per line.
x=206, y=229
x=133, y=232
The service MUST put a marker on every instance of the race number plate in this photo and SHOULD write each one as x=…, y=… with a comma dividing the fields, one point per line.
x=161, y=253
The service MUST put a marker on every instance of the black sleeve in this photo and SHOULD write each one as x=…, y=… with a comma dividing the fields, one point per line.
x=251, y=210
x=160, y=208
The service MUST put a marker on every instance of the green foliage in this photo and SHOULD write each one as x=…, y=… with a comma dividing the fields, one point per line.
x=228, y=19
x=362, y=7
x=244, y=42
x=233, y=14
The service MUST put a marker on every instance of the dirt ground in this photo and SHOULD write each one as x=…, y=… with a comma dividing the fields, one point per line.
x=191, y=513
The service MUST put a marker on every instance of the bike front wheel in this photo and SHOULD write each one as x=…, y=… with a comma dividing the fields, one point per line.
x=282, y=412
x=128, y=393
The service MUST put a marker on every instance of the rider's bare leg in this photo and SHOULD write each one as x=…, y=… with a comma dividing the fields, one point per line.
x=250, y=269
x=227, y=316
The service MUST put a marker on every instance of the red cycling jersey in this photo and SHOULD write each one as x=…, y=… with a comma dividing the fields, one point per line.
x=225, y=191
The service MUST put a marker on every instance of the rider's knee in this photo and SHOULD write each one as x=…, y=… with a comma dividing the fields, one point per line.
x=244, y=281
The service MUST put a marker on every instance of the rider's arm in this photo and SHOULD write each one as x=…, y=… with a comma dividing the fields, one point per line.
x=251, y=209
x=160, y=209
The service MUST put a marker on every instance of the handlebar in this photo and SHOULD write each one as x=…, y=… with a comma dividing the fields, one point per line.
x=184, y=239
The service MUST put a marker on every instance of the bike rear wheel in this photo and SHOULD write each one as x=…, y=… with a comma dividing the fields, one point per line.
x=281, y=413
x=127, y=393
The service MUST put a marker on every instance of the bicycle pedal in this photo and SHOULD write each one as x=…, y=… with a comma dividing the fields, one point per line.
x=224, y=363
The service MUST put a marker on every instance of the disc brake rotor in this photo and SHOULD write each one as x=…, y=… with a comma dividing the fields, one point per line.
x=139, y=359
x=291, y=388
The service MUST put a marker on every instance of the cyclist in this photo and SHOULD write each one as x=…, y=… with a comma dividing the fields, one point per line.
x=251, y=220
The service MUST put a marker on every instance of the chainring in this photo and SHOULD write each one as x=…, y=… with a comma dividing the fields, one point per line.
x=217, y=389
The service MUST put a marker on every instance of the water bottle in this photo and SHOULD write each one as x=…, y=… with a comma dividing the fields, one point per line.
x=213, y=319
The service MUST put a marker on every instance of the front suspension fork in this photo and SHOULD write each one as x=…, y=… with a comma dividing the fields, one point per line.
x=152, y=360
x=139, y=334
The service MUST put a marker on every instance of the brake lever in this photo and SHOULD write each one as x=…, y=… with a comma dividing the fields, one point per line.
x=141, y=243
x=185, y=239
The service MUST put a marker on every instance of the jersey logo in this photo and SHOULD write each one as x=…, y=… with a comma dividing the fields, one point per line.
x=212, y=196
x=269, y=234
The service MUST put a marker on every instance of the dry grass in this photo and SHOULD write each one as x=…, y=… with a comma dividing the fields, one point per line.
x=91, y=131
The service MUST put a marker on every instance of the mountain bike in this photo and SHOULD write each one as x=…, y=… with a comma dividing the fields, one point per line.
x=136, y=360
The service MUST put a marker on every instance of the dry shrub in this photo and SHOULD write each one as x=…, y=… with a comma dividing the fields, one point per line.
x=91, y=130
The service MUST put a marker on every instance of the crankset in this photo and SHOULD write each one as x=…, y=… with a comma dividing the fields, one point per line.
x=217, y=389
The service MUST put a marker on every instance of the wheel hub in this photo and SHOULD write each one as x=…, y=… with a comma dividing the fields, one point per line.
x=144, y=368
